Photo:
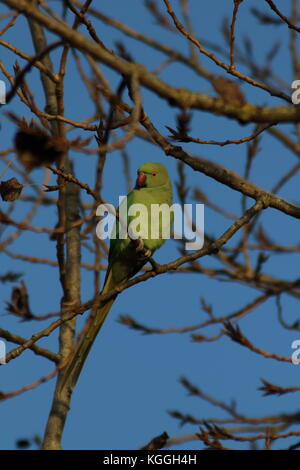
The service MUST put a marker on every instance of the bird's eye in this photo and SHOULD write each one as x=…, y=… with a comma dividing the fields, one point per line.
x=154, y=174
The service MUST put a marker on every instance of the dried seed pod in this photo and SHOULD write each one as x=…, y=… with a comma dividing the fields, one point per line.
x=35, y=147
x=229, y=91
x=10, y=190
x=19, y=303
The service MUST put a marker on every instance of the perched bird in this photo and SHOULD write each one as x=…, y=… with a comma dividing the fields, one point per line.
x=126, y=257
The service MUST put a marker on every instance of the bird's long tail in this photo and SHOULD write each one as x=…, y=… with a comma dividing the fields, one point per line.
x=71, y=372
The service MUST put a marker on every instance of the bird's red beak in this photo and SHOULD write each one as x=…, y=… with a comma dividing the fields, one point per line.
x=141, y=179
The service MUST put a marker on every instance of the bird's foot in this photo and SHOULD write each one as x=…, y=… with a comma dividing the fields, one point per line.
x=143, y=253
x=139, y=244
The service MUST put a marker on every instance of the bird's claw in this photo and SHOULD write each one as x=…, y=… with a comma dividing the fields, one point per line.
x=143, y=253
x=139, y=244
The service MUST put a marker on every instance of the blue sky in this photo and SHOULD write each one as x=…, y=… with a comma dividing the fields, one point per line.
x=131, y=380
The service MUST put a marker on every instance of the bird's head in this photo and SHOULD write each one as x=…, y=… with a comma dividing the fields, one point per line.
x=151, y=175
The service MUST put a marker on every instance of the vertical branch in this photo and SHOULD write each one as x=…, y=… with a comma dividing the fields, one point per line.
x=68, y=247
x=187, y=19
x=102, y=140
x=232, y=29
x=293, y=41
x=71, y=296
x=252, y=149
x=293, y=49
x=39, y=41
x=62, y=396
x=126, y=167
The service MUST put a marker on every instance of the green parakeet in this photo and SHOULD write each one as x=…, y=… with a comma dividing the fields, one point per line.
x=153, y=187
